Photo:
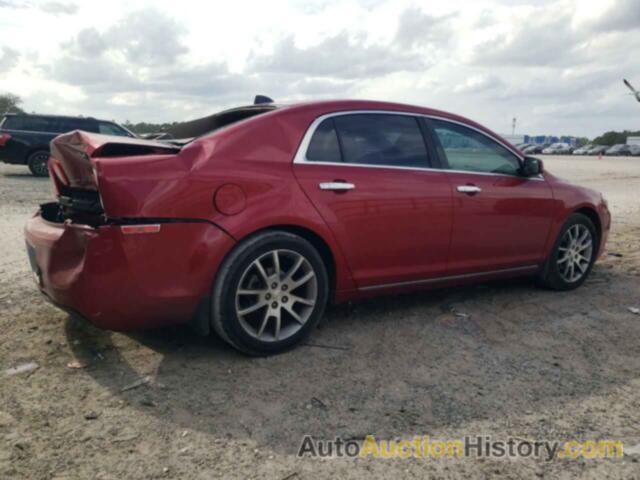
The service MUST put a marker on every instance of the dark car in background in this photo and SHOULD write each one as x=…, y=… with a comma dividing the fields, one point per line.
x=618, y=150
x=598, y=150
x=24, y=138
x=533, y=149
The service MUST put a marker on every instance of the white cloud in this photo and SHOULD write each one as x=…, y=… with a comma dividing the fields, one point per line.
x=8, y=59
x=59, y=8
x=555, y=64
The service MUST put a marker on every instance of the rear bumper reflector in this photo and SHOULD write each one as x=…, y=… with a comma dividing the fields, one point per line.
x=135, y=229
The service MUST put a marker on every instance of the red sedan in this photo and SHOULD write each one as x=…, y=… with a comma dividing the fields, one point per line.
x=252, y=227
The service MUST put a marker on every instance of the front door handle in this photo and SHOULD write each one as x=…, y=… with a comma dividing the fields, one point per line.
x=469, y=189
x=337, y=186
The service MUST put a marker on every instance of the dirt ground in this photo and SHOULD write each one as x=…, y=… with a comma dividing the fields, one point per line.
x=523, y=362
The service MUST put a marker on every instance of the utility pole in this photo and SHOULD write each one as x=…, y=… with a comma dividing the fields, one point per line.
x=513, y=125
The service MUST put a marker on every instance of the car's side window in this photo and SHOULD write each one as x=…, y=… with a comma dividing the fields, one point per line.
x=29, y=124
x=381, y=139
x=469, y=150
x=110, y=129
x=324, y=146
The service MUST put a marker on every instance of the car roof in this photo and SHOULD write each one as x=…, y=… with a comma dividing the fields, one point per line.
x=322, y=107
x=44, y=115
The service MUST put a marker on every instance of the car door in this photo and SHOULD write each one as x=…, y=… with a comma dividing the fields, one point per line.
x=501, y=219
x=368, y=176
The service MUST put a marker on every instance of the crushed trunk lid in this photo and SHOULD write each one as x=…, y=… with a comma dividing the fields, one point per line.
x=73, y=153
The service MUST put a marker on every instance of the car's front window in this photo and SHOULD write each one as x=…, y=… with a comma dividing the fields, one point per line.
x=472, y=151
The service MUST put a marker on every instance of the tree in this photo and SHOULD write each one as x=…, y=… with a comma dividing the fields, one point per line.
x=613, y=138
x=9, y=103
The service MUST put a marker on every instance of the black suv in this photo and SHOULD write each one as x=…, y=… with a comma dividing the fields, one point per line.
x=24, y=138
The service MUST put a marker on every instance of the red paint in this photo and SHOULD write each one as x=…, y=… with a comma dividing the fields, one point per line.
x=396, y=226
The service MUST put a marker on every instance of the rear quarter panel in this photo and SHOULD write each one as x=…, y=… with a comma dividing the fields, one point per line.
x=255, y=157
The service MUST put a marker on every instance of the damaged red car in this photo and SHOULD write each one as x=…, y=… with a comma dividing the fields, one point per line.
x=271, y=212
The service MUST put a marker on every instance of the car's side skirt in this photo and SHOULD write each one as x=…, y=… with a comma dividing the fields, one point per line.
x=506, y=271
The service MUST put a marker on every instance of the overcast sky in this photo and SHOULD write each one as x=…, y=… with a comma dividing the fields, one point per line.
x=555, y=65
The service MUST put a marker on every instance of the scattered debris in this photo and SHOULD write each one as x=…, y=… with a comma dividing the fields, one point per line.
x=615, y=254
x=91, y=415
x=318, y=402
x=290, y=476
x=462, y=315
x=77, y=364
x=147, y=402
x=319, y=345
x=635, y=310
x=136, y=384
x=126, y=437
x=22, y=368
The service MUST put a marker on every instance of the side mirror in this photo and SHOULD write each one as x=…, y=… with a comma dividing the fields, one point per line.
x=531, y=167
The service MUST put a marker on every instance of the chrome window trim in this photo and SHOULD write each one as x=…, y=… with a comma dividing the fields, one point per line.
x=301, y=154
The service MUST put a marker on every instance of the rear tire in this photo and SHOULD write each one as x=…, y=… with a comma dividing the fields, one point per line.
x=269, y=294
x=572, y=256
x=38, y=163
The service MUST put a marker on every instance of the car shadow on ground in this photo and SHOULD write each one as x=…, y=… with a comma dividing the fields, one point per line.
x=25, y=176
x=392, y=366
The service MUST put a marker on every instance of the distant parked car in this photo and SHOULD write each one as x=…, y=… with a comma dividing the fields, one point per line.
x=583, y=150
x=598, y=150
x=618, y=150
x=535, y=149
x=634, y=150
x=24, y=138
x=558, y=149
x=523, y=146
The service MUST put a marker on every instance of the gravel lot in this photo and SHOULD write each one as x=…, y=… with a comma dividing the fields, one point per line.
x=524, y=362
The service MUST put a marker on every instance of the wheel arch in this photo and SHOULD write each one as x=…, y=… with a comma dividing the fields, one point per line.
x=35, y=149
x=592, y=214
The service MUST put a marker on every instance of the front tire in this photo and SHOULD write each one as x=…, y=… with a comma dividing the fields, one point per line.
x=573, y=254
x=269, y=294
x=38, y=163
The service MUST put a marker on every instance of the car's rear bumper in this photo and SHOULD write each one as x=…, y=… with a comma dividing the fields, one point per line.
x=121, y=281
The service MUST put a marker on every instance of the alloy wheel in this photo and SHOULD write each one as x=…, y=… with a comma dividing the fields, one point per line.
x=575, y=253
x=276, y=295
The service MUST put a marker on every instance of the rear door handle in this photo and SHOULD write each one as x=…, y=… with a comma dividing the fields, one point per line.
x=469, y=189
x=337, y=186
